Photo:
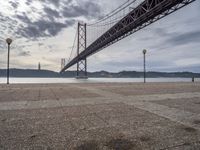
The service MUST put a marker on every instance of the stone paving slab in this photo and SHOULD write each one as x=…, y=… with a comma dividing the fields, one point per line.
x=100, y=117
x=147, y=89
x=186, y=104
x=133, y=126
x=9, y=94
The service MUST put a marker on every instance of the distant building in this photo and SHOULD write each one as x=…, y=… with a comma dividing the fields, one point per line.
x=39, y=66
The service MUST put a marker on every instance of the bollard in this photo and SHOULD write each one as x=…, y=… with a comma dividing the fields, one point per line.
x=193, y=79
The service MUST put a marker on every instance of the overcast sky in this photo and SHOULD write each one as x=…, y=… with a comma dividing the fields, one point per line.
x=43, y=31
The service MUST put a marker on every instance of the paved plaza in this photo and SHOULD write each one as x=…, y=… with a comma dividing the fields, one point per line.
x=104, y=116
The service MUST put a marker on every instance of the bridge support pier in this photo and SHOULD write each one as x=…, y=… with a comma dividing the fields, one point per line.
x=81, y=46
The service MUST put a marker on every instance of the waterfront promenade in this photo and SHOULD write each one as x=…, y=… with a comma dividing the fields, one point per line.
x=107, y=116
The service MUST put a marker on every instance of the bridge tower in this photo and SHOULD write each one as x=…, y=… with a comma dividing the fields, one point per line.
x=81, y=46
x=62, y=63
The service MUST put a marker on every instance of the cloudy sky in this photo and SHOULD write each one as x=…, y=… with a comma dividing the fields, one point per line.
x=43, y=31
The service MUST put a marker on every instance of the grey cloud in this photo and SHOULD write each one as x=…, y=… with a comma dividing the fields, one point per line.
x=158, y=32
x=29, y=32
x=70, y=22
x=23, y=18
x=8, y=25
x=51, y=13
x=86, y=9
x=50, y=26
x=42, y=28
x=170, y=40
x=185, y=38
x=5, y=18
x=40, y=44
x=162, y=32
x=153, y=63
x=50, y=46
x=54, y=2
x=2, y=44
x=14, y=4
x=25, y=53
x=28, y=2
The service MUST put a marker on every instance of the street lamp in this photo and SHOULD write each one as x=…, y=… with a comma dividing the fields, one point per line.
x=8, y=41
x=144, y=52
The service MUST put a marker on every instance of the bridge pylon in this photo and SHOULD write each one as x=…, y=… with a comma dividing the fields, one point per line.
x=81, y=46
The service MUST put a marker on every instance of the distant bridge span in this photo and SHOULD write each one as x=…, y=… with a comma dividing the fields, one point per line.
x=144, y=14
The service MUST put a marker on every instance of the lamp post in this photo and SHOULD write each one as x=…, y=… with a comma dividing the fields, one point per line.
x=144, y=52
x=8, y=41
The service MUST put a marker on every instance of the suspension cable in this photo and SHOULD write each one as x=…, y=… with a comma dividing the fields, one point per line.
x=115, y=20
x=73, y=46
x=114, y=12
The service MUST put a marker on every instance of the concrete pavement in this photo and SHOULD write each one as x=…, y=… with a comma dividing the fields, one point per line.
x=107, y=116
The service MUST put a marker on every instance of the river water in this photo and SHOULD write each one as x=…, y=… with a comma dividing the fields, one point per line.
x=92, y=80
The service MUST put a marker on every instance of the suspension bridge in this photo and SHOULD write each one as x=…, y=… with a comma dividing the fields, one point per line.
x=125, y=20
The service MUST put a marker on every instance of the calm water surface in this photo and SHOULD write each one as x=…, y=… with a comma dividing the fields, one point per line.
x=93, y=80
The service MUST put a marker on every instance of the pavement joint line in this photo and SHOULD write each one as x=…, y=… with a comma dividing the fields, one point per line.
x=178, y=145
x=51, y=103
x=54, y=94
x=160, y=97
x=141, y=102
x=177, y=115
x=99, y=91
x=39, y=94
x=97, y=100
x=95, y=114
x=150, y=97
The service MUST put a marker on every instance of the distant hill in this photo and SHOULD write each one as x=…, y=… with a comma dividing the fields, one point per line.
x=101, y=74
x=135, y=74
x=36, y=73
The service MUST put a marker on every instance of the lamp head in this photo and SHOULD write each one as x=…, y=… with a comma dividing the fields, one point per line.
x=144, y=51
x=9, y=41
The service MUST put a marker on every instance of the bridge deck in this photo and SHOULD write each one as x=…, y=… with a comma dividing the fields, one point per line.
x=143, y=15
